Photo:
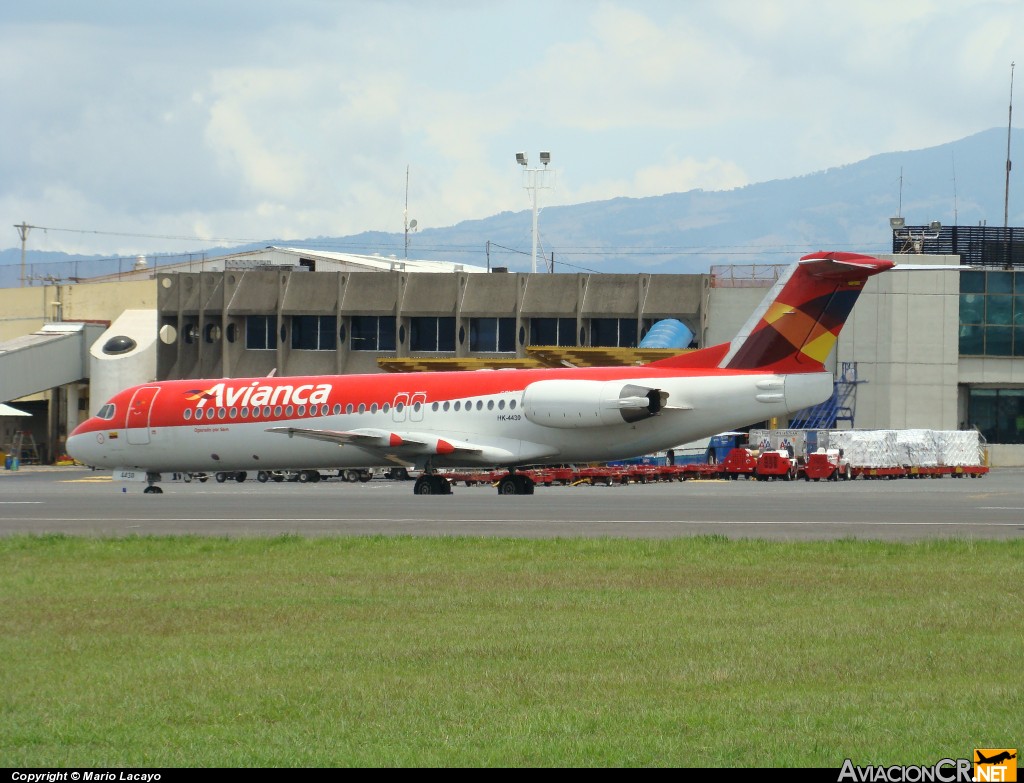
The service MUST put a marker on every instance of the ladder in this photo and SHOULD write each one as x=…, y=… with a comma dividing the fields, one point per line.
x=841, y=406
x=23, y=446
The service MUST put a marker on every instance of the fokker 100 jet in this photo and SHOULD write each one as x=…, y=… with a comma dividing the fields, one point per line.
x=488, y=418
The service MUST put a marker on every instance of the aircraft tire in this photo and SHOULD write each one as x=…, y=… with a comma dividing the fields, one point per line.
x=507, y=486
x=241, y=476
x=262, y=477
x=423, y=486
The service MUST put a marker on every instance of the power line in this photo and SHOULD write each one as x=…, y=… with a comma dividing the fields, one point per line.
x=141, y=236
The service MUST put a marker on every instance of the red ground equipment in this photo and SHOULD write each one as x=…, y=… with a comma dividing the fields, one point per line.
x=829, y=465
x=776, y=465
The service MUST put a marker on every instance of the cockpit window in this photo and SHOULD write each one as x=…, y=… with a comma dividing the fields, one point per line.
x=107, y=411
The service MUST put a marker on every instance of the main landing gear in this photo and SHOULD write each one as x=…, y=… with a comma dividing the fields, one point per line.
x=515, y=484
x=432, y=484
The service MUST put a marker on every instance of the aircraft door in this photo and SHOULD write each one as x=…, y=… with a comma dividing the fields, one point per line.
x=138, y=415
x=401, y=402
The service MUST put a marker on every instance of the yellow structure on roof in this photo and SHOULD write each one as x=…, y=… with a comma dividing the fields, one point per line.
x=539, y=356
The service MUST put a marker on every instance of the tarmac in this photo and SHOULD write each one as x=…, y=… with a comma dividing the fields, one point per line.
x=79, y=501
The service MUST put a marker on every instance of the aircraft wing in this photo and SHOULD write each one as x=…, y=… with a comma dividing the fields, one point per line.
x=406, y=444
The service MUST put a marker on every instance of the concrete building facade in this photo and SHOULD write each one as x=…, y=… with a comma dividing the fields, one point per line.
x=933, y=349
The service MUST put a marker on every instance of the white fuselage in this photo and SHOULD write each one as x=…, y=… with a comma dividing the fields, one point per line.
x=492, y=429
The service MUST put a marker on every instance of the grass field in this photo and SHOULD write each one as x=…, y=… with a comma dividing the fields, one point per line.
x=384, y=651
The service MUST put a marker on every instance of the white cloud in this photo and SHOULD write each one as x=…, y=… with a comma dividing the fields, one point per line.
x=258, y=120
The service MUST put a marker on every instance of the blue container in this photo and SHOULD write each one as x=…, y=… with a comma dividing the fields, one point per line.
x=668, y=333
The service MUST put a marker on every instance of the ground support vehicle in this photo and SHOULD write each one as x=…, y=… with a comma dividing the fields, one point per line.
x=776, y=464
x=740, y=462
x=829, y=465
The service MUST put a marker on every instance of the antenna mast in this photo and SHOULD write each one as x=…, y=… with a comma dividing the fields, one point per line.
x=405, y=213
x=1009, y=125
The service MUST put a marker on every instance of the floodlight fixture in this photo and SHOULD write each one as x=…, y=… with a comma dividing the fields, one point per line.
x=896, y=223
x=521, y=158
x=545, y=158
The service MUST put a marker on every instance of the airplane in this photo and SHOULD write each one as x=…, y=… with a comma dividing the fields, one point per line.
x=510, y=418
x=996, y=759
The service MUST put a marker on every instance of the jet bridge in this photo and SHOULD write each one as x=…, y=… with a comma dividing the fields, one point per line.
x=56, y=355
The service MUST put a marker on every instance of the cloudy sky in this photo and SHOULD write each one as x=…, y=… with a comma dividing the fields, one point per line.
x=211, y=122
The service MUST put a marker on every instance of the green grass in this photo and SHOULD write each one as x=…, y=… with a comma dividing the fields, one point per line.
x=391, y=651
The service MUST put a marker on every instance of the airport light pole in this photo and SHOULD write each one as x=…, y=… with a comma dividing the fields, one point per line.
x=534, y=179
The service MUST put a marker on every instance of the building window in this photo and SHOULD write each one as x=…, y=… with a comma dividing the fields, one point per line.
x=432, y=334
x=998, y=413
x=261, y=332
x=314, y=332
x=991, y=313
x=553, y=331
x=373, y=333
x=613, y=332
x=492, y=335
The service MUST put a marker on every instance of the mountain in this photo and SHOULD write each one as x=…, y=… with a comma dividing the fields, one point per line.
x=844, y=208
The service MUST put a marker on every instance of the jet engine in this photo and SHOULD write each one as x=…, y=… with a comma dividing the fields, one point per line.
x=576, y=404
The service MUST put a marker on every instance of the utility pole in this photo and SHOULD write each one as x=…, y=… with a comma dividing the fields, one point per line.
x=23, y=230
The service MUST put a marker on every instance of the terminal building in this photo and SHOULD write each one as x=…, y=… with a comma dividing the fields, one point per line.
x=932, y=348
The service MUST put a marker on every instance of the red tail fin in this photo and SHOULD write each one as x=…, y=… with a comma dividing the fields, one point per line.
x=797, y=324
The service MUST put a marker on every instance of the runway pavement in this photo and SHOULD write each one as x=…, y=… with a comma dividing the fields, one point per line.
x=79, y=501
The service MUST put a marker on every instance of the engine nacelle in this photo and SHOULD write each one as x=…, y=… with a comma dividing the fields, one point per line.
x=575, y=404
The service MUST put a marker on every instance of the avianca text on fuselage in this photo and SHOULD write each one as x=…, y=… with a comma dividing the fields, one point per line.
x=255, y=394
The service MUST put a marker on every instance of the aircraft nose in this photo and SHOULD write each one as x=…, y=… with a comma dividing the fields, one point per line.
x=82, y=445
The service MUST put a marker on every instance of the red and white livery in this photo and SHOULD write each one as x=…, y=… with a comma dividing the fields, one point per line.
x=488, y=418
